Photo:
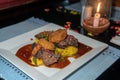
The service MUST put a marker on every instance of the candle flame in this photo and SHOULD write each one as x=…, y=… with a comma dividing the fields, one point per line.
x=98, y=7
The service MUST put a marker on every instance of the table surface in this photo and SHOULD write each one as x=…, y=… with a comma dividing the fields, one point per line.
x=92, y=70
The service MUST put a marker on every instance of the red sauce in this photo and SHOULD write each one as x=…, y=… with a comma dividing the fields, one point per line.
x=82, y=49
x=25, y=53
x=61, y=63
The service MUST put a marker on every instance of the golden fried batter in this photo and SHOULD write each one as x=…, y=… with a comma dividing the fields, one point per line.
x=46, y=44
x=58, y=35
x=34, y=51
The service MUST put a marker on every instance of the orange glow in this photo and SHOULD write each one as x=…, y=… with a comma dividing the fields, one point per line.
x=98, y=7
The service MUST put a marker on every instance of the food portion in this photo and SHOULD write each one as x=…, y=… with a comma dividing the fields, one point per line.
x=54, y=45
x=52, y=49
x=58, y=35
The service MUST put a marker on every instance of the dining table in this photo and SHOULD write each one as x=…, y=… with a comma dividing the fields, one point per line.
x=105, y=66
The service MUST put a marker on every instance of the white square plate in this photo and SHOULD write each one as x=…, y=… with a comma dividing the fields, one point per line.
x=115, y=40
x=9, y=48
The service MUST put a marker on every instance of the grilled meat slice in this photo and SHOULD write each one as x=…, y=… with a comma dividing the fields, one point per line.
x=69, y=41
x=48, y=57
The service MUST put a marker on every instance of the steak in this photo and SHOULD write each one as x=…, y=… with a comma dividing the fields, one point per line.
x=48, y=57
x=69, y=41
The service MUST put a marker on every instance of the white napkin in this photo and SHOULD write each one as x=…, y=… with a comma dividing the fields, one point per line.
x=115, y=40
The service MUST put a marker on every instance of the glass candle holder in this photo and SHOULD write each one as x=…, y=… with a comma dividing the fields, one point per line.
x=96, y=15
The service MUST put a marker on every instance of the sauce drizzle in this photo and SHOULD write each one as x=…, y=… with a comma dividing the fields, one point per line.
x=25, y=52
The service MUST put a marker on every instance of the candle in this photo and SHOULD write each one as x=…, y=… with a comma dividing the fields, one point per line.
x=97, y=16
x=96, y=19
x=88, y=12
